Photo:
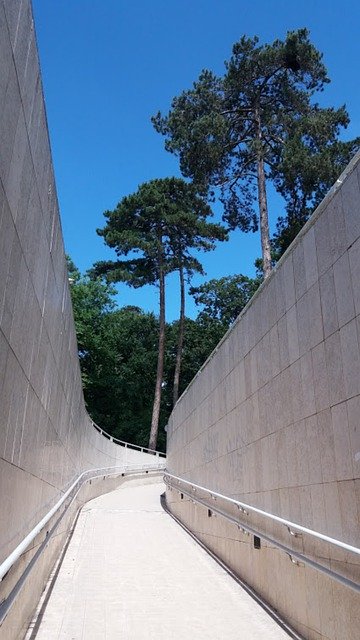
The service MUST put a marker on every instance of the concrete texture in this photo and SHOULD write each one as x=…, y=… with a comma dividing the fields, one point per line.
x=131, y=572
x=273, y=417
x=46, y=437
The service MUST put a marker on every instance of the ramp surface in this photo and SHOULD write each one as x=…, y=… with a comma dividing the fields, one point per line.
x=131, y=572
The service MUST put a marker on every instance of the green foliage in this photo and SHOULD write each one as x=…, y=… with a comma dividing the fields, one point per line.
x=157, y=228
x=259, y=122
x=220, y=126
x=200, y=339
x=118, y=354
x=162, y=222
x=118, y=351
x=92, y=301
x=312, y=161
x=123, y=378
x=225, y=298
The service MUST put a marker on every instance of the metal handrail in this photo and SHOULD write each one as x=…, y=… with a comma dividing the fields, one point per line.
x=296, y=558
x=128, y=445
x=287, y=523
x=90, y=473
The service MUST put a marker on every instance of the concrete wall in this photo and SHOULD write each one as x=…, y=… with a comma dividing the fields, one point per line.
x=272, y=419
x=46, y=436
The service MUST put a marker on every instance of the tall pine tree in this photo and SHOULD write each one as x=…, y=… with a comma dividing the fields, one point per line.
x=236, y=132
x=156, y=228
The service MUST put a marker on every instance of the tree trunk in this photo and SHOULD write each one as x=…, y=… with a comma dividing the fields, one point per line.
x=181, y=337
x=263, y=208
x=160, y=363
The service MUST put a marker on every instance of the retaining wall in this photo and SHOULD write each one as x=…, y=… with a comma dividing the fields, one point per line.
x=46, y=437
x=272, y=419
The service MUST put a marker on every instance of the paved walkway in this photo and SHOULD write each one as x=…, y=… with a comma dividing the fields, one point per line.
x=131, y=573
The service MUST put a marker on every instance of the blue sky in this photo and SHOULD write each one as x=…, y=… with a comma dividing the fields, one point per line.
x=108, y=65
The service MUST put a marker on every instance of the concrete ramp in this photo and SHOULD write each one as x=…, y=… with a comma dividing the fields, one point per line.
x=131, y=572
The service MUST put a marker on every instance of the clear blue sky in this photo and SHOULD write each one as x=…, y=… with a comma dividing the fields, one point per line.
x=108, y=65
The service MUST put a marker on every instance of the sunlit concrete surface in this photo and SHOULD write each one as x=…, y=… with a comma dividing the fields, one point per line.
x=131, y=572
x=272, y=420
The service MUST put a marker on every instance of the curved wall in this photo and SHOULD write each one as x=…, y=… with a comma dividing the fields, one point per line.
x=272, y=419
x=46, y=436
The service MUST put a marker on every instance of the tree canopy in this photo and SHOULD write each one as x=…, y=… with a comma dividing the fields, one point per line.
x=118, y=351
x=224, y=298
x=158, y=227
x=92, y=300
x=235, y=132
x=257, y=123
x=312, y=161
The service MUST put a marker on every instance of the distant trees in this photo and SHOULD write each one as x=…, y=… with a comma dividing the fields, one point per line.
x=158, y=226
x=224, y=298
x=200, y=338
x=233, y=134
x=312, y=161
x=118, y=355
x=121, y=394
x=92, y=301
x=118, y=350
x=257, y=123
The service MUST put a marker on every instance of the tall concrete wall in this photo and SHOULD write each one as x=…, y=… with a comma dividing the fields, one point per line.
x=46, y=436
x=273, y=417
